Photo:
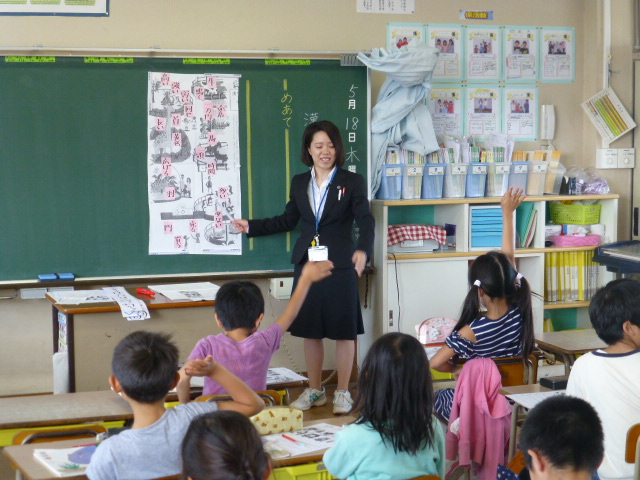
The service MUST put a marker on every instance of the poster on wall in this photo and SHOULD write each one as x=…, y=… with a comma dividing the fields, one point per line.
x=483, y=53
x=193, y=164
x=400, y=34
x=484, y=111
x=448, y=40
x=446, y=105
x=388, y=6
x=557, y=54
x=520, y=52
x=521, y=112
x=89, y=8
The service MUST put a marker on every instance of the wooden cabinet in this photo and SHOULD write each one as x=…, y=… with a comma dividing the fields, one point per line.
x=412, y=287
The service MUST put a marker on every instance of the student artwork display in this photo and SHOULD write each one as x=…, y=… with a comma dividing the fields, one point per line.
x=483, y=53
x=521, y=49
x=193, y=163
x=483, y=111
x=520, y=112
x=446, y=107
x=448, y=40
x=558, y=54
x=400, y=34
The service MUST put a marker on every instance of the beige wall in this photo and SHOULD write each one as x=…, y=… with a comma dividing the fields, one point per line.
x=319, y=25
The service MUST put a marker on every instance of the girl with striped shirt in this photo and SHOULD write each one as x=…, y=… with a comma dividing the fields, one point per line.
x=505, y=329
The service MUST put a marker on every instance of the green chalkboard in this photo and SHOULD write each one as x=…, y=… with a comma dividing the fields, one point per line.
x=74, y=140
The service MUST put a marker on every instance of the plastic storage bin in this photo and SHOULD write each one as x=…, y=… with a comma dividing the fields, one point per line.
x=391, y=182
x=455, y=180
x=476, y=179
x=412, y=181
x=575, y=214
x=306, y=471
x=536, y=178
x=433, y=180
x=497, y=179
x=518, y=175
x=553, y=182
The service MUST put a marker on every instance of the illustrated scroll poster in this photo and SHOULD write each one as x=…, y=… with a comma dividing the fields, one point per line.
x=400, y=34
x=558, y=55
x=521, y=112
x=446, y=107
x=448, y=40
x=483, y=54
x=193, y=164
x=520, y=51
x=483, y=111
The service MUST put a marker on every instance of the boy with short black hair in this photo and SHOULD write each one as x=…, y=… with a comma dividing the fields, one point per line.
x=609, y=379
x=242, y=348
x=562, y=437
x=144, y=369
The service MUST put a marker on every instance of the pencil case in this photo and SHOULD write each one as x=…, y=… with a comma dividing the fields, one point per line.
x=554, y=383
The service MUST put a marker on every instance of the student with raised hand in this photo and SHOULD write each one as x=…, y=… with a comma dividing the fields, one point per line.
x=395, y=436
x=145, y=368
x=505, y=329
x=561, y=439
x=224, y=446
x=609, y=379
x=242, y=348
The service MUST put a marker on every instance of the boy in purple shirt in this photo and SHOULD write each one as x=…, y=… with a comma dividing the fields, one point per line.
x=242, y=349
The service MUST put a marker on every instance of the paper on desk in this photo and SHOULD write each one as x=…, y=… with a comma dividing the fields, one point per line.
x=132, y=308
x=530, y=400
x=188, y=291
x=309, y=439
x=283, y=375
x=77, y=297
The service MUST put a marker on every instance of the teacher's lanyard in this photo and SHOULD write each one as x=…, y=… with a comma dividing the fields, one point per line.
x=316, y=238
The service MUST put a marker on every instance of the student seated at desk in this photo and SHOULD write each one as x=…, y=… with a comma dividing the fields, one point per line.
x=144, y=370
x=243, y=349
x=562, y=439
x=224, y=446
x=395, y=436
x=609, y=379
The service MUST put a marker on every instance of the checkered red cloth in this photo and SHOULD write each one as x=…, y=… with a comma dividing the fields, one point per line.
x=401, y=233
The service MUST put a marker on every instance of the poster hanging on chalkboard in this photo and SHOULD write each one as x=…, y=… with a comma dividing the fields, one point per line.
x=193, y=164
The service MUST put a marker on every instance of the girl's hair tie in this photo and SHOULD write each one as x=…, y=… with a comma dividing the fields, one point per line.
x=519, y=277
x=477, y=283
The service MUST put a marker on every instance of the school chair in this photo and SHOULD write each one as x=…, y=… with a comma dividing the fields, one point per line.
x=517, y=370
x=271, y=398
x=426, y=477
x=517, y=463
x=632, y=452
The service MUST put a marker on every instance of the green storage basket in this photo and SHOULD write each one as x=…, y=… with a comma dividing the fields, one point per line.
x=575, y=214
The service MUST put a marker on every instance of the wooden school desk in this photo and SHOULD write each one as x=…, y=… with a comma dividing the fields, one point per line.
x=569, y=343
x=89, y=332
x=22, y=455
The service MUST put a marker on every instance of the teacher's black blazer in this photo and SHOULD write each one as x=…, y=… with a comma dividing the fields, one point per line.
x=335, y=224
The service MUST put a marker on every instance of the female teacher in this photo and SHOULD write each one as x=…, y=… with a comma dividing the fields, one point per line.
x=327, y=199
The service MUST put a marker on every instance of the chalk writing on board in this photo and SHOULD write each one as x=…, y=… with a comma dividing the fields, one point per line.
x=193, y=160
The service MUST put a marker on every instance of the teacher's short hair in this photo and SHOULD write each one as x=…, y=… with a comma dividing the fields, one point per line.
x=334, y=135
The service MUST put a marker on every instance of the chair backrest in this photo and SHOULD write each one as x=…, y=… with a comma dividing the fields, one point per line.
x=426, y=477
x=632, y=452
x=57, y=434
x=270, y=397
x=517, y=370
x=517, y=463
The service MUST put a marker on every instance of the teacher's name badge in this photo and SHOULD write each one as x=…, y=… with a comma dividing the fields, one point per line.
x=318, y=254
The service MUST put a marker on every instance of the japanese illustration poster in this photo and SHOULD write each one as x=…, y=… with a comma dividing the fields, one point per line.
x=193, y=163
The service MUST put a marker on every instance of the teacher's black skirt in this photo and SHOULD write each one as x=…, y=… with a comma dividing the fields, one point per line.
x=331, y=309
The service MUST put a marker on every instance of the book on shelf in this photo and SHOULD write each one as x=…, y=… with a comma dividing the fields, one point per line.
x=65, y=462
x=570, y=276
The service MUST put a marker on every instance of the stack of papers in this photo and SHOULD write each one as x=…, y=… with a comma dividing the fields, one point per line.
x=65, y=462
x=530, y=400
x=526, y=216
x=310, y=439
x=195, y=292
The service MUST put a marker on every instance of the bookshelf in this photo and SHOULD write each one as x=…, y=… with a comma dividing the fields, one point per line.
x=411, y=287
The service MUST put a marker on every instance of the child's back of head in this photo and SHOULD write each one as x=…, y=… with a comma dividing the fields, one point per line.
x=612, y=306
x=566, y=432
x=395, y=392
x=224, y=445
x=498, y=278
x=239, y=304
x=145, y=364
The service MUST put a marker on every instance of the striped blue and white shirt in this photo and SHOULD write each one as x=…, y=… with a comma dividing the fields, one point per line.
x=494, y=338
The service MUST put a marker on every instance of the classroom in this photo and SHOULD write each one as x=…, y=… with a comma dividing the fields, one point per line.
x=258, y=28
